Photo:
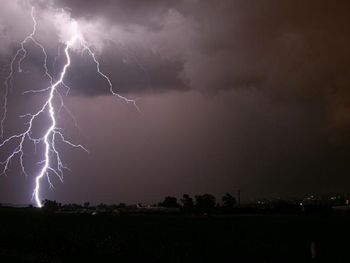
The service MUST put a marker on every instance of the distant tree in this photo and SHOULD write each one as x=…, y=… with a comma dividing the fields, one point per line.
x=228, y=201
x=102, y=206
x=187, y=203
x=284, y=206
x=169, y=202
x=49, y=205
x=205, y=203
x=122, y=205
x=87, y=204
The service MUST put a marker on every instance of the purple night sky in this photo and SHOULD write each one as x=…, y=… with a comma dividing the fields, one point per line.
x=234, y=94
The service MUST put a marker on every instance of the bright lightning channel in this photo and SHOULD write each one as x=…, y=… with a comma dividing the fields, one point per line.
x=52, y=133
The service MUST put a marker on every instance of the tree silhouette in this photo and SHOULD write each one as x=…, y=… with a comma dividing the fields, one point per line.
x=228, y=201
x=169, y=202
x=205, y=203
x=49, y=205
x=187, y=203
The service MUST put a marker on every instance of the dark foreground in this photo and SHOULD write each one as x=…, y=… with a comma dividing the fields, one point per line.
x=27, y=236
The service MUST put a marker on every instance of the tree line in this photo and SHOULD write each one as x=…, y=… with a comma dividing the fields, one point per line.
x=200, y=203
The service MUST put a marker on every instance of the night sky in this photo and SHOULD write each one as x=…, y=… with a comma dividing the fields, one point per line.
x=234, y=94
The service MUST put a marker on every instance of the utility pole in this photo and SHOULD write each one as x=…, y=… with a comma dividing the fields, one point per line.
x=239, y=197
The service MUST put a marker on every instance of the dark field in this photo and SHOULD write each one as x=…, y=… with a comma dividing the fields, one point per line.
x=28, y=236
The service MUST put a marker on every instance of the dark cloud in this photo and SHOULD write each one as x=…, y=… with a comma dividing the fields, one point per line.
x=290, y=45
x=293, y=50
x=128, y=72
x=145, y=13
x=235, y=94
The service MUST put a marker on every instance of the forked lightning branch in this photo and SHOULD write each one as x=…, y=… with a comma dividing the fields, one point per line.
x=51, y=162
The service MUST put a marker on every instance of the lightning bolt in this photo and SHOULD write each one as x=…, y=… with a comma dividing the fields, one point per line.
x=51, y=162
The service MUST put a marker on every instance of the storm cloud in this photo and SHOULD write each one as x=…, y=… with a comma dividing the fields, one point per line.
x=233, y=94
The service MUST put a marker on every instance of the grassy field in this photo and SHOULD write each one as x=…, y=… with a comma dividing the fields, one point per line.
x=27, y=236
